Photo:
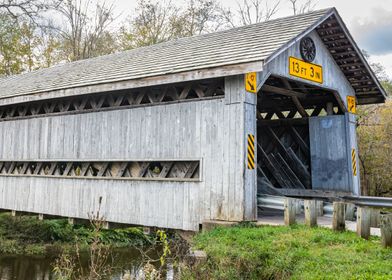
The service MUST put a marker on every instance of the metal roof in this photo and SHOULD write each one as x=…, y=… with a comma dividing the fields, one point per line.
x=246, y=44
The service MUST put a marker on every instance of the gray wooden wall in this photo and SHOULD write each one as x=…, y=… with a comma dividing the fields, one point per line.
x=333, y=77
x=211, y=131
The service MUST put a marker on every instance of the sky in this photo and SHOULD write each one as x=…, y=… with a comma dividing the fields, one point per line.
x=370, y=22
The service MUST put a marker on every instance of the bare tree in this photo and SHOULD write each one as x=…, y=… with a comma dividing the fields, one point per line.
x=30, y=9
x=160, y=21
x=85, y=31
x=300, y=7
x=199, y=16
x=251, y=11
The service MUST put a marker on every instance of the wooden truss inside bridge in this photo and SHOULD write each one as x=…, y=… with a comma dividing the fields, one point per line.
x=283, y=112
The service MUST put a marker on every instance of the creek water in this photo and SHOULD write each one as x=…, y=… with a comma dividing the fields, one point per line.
x=21, y=267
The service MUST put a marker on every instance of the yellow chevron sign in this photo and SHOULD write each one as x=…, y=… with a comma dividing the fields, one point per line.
x=251, y=152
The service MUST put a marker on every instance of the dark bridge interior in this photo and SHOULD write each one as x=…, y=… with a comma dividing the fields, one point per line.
x=283, y=110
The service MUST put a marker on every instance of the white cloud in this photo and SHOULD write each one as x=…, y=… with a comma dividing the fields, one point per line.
x=375, y=33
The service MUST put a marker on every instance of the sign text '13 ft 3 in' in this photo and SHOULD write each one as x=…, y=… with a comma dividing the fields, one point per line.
x=305, y=70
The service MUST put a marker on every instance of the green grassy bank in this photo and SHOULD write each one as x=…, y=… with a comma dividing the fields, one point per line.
x=30, y=236
x=298, y=252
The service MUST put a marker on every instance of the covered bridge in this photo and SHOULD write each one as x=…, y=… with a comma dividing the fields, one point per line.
x=186, y=131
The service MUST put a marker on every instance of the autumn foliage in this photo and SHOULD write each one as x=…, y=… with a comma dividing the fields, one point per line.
x=375, y=149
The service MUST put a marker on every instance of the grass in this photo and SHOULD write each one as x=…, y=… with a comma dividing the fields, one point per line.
x=298, y=252
x=30, y=236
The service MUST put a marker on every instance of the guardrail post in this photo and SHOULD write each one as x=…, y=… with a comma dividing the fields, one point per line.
x=338, y=217
x=350, y=214
x=310, y=213
x=375, y=218
x=363, y=222
x=298, y=206
x=320, y=208
x=289, y=211
x=386, y=230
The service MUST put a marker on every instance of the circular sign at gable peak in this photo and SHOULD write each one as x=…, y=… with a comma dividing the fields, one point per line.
x=308, y=49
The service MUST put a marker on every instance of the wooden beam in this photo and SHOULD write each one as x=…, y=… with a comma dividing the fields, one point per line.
x=352, y=54
x=299, y=168
x=200, y=74
x=316, y=111
x=344, y=40
x=282, y=122
x=295, y=99
x=328, y=29
x=301, y=109
x=271, y=167
x=349, y=48
x=350, y=64
x=296, y=183
x=332, y=36
x=299, y=140
x=282, y=91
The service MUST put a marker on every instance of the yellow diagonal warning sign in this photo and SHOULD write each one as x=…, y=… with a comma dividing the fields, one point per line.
x=354, y=162
x=251, y=152
x=251, y=82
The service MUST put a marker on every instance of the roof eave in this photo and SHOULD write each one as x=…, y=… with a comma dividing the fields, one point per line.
x=360, y=55
x=334, y=12
x=175, y=77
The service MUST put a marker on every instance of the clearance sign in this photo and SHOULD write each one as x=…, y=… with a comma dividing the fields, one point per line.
x=305, y=70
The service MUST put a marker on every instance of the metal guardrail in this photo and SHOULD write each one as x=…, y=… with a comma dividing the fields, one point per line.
x=371, y=201
x=277, y=202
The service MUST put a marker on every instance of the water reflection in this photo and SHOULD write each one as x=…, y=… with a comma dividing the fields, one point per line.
x=25, y=268
x=40, y=268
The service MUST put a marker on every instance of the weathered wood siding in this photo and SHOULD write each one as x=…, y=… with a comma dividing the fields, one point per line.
x=330, y=154
x=210, y=130
x=333, y=77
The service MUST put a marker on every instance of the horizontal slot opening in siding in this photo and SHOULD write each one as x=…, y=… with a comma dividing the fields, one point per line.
x=150, y=96
x=134, y=170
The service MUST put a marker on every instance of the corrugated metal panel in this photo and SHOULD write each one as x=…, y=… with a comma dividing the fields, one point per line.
x=245, y=44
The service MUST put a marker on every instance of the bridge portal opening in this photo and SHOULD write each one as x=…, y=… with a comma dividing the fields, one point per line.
x=286, y=148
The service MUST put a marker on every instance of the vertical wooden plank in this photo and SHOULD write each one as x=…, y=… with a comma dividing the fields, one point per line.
x=310, y=208
x=375, y=217
x=338, y=217
x=350, y=212
x=386, y=230
x=289, y=211
x=363, y=222
x=128, y=134
x=320, y=208
x=234, y=86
